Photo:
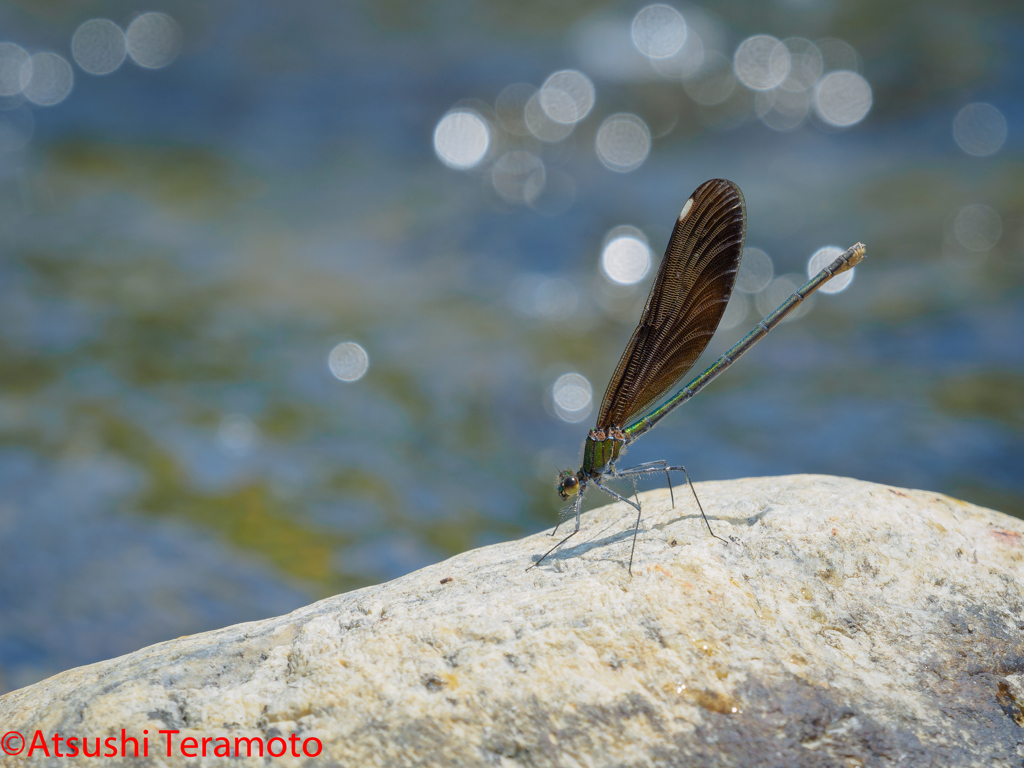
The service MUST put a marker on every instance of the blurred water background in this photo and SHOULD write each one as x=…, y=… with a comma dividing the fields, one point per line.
x=299, y=297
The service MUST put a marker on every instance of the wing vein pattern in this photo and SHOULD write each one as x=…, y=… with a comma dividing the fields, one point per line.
x=685, y=305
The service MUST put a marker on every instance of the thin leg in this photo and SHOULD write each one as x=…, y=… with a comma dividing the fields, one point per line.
x=579, y=504
x=610, y=492
x=636, y=506
x=694, y=490
x=636, y=528
x=645, y=465
x=642, y=469
x=647, y=469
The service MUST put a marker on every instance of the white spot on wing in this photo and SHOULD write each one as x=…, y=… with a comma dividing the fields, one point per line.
x=686, y=209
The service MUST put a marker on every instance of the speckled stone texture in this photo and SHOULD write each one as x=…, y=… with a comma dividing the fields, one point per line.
x=843, y=624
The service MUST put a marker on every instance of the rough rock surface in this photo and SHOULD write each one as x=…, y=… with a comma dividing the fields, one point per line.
x=843, y=624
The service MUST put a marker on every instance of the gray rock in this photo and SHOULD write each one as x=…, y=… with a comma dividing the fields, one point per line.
x=843, y=624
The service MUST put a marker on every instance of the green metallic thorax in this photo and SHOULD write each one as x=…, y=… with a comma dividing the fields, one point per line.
x=601, y=449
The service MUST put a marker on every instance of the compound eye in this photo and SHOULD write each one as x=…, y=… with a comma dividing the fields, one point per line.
x=568, y=486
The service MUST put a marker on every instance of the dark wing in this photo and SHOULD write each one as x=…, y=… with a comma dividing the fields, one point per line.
x=686, y=303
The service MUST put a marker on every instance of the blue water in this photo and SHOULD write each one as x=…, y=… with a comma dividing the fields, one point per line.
x=186, y=245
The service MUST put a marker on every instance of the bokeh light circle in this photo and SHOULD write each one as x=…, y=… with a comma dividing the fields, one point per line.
x=978, y=227
x=13, y=60
x=542, y=126
x=348, y=361
x=461, y=139
x=755, y=271
x=736, y=311
x=518, y=176
x=510, y=107
x=761, y=62
x=572, y=396
x=713, y=82
x=778, y=291
x=979, y=129
x=567, y=96
x=46, y=79
x=837, y=55
x=543, y=296
x=237, y=434
x=842, y=99
x=659, y=31
x=806, y=64
x=820, y=259
x=623, y=142
x=685, y=62
x=626, y=259
x=154, y=40
x=787, y=109
x=99, y=46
